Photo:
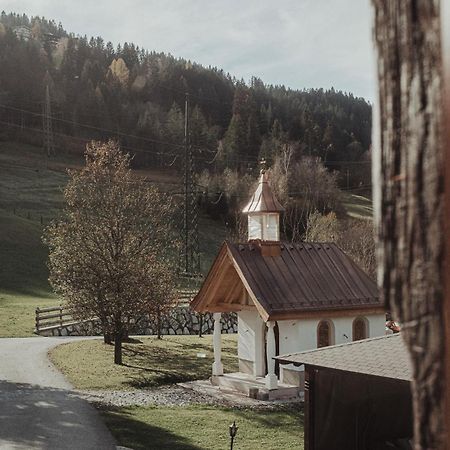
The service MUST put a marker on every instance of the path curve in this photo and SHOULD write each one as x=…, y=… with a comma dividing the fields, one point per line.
x=38, y=408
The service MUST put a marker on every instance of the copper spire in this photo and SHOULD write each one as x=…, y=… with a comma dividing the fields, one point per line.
x=263, y=200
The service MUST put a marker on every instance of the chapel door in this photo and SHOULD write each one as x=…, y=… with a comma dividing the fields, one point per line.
x=276, y=332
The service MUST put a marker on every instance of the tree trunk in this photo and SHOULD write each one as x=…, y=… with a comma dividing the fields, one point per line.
x=158, y=324
x=118, y=347
x=408, y=195
x=107, y=338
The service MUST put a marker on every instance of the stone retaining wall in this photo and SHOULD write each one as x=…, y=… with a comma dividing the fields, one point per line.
x=181, y=320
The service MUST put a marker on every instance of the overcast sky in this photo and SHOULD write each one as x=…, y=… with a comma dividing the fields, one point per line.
x=298, y=43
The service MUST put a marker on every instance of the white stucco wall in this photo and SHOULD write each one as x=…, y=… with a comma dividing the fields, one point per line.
x=251, y=340
x=295, y=336
x=300, y=335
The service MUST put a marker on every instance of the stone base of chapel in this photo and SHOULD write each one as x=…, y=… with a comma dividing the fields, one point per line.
x=255, y=387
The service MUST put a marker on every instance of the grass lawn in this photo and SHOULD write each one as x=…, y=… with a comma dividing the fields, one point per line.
x=195, y=428
x=23, y=275
x=17, y=318
x=89, y=364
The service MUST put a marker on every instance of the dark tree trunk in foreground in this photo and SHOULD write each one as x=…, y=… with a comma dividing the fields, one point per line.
x=409, y=183
x=118, y=338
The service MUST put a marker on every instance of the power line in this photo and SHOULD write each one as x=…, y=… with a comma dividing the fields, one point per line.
x=247, y=159
x=125, y=147
x=92, y=127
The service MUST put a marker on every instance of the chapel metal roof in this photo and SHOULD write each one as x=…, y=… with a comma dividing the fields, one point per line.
x=263, y=200
x=385, y=356
x=303, y=278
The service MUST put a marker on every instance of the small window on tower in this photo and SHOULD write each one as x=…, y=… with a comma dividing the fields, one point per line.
x=254, y=227
x=272, y=227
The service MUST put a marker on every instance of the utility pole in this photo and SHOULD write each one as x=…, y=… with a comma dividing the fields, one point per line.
x=49, y=145
x=191, y=254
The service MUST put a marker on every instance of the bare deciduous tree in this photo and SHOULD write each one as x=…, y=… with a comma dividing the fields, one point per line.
x=302, y=187
x=110, y=255
x=354, y=236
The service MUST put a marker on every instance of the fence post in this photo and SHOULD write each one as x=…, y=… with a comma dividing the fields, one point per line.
x=60, y=315
x=37, y=320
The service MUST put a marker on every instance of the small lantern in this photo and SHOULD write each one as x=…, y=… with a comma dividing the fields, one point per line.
x=263, y=212
x=233, y=432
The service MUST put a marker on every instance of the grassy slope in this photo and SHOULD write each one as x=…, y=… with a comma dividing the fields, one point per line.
x=173, y=359
x=195, y=428
x=357, y=206
x=28, y=191
x=31, y=188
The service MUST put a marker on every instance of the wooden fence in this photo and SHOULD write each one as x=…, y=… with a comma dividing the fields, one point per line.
x=55, y=316
x=58, y=316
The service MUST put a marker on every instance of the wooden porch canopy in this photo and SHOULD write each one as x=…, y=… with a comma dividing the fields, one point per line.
x=297, y=281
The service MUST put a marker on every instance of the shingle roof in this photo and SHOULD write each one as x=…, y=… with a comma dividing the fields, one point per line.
x=304, y=277
x=385, y=356
x=263, y=200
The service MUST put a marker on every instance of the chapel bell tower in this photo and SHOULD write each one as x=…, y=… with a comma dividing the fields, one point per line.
x=263, y=212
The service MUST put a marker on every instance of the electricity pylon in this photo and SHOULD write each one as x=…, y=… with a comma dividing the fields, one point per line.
x=190, y=258
x=49, y=143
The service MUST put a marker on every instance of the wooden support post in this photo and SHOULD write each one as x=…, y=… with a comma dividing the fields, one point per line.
x=271, y=377
x=217, y=368
x=60, y=315
x=37, y=319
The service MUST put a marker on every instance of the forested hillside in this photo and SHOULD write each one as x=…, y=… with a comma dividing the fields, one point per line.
x=137, y=96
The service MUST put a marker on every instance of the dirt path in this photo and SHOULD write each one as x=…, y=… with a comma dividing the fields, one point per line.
x=38, y=409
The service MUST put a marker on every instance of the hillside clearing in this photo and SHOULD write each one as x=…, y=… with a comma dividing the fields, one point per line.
x=31, y=188
x=357, y=206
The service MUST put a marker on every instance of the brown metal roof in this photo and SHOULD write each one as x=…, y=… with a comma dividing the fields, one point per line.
x=263, y=200
x=304, y=278
x=385, y=356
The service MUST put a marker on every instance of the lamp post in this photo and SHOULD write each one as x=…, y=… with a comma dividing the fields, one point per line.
x=233, y=432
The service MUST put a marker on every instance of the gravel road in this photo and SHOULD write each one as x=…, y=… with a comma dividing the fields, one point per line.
x=38, y=408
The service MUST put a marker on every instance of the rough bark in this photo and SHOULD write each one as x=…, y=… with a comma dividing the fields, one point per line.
x=118, y=338
x=408, y=179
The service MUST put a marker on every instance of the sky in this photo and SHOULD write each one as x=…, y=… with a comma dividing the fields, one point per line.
x=297, y=43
